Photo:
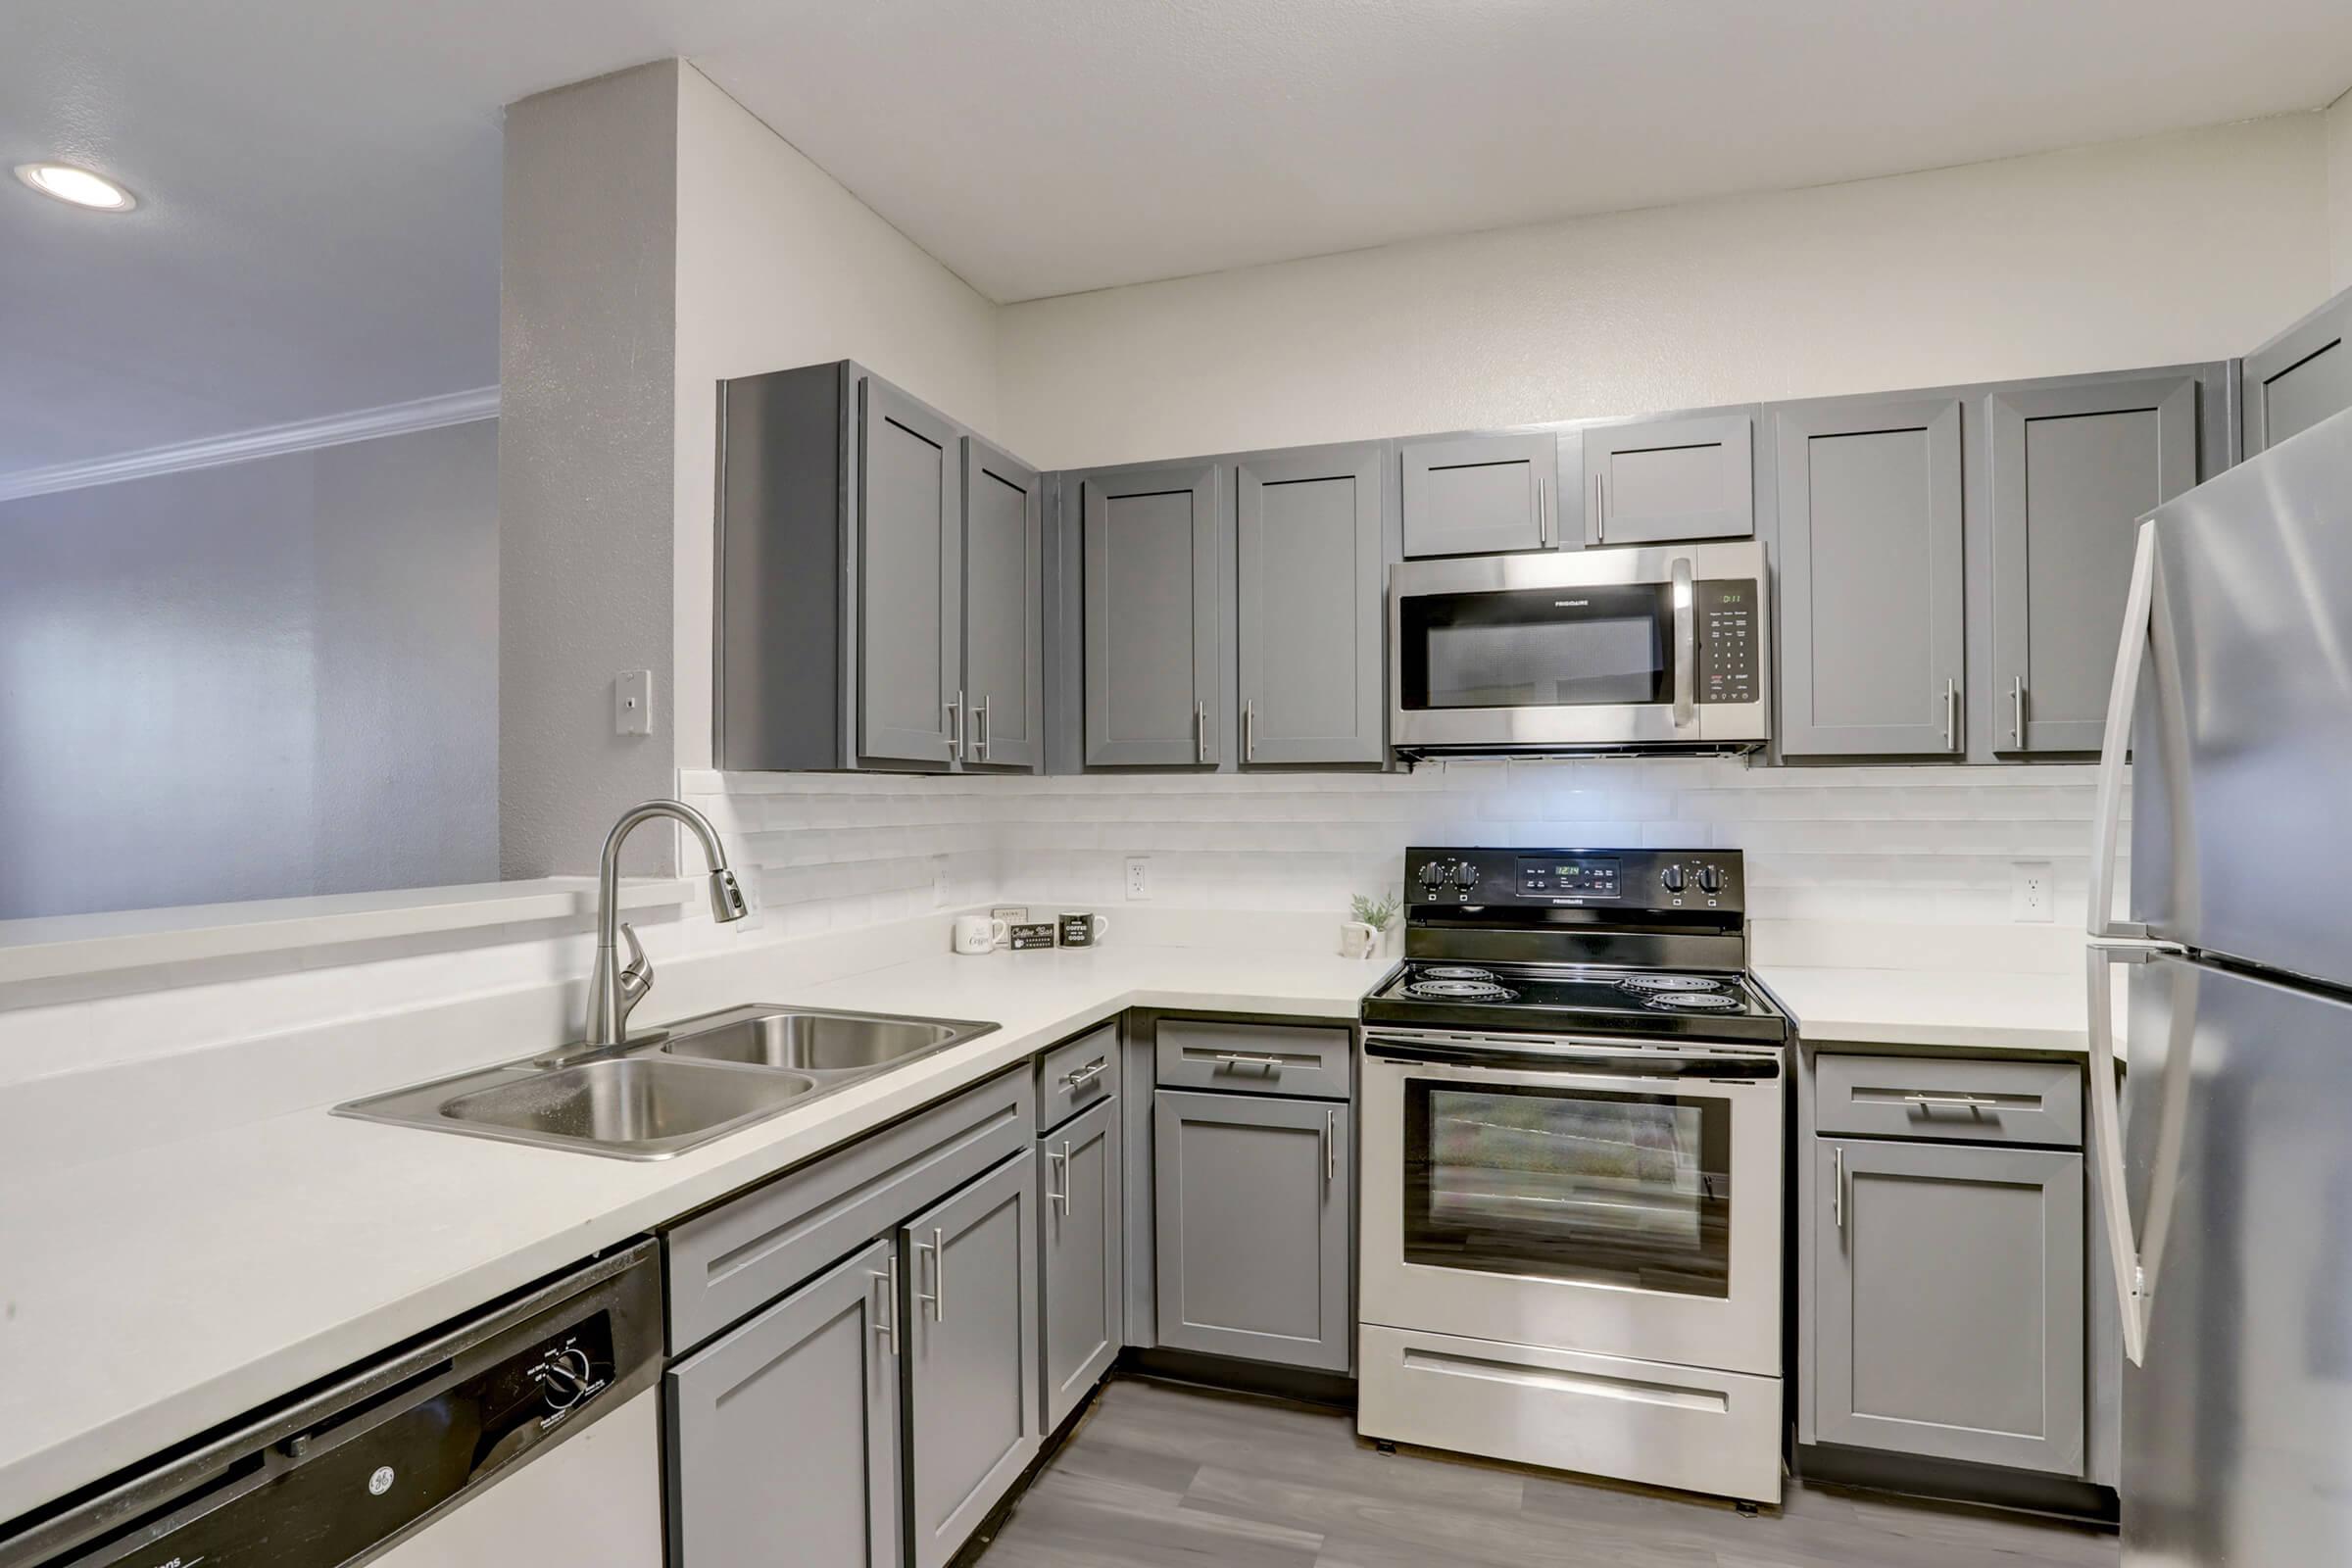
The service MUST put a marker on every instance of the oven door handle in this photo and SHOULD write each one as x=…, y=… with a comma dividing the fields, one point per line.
x=1579, y=1061
x=1686, y=645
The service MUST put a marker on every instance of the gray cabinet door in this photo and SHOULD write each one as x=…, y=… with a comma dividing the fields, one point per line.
x=1480, y=494
x=1084, y=1244
x=784, y=1433
x=1152, y=618
x=1949, y=1303
x=1310, y=559
x=2299, y=377
x=1870, y=572
x=1003, y=609
x=909, y=579
x=1253, y=1228
x=1662, y=479
x=2073, y=471
x=972, y=1375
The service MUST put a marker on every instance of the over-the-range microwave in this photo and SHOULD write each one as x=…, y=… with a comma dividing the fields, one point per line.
x=1664, y=648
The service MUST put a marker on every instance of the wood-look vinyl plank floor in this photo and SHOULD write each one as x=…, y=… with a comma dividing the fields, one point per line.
x=1159, y=1476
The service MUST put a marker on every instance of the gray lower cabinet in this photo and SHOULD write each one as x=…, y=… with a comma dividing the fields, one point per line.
x=748, y=1483
x=2299, y=377
x=1252, y=1255
x=1004, y=723
x=1474, y=495
x=1871, y=566
x=1656, y=480
x=1948, y=1304
x=972, y=1373
x=2073, y=469
x=1084, y=1245
x=1150, y=547
x=1310, y=556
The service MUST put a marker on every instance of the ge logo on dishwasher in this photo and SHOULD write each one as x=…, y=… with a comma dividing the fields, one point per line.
x=381, y=1482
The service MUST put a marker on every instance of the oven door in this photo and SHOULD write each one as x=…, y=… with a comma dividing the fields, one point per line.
x=1658, y=647
x=1602, y=1196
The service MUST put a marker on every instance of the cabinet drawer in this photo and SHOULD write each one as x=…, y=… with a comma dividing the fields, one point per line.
x=1965, y=1102
x=1077, y=1074
x=1259, y=1059
x=738, y=1257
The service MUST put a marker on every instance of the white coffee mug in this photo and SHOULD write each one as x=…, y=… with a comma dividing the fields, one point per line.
x=1357, y=940
x=978, y=933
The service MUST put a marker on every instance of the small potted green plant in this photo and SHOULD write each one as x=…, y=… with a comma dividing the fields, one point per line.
x=1366, y=932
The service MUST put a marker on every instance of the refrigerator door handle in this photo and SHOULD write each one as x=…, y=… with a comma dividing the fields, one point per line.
x=2133, y=1257
x=2122, y=697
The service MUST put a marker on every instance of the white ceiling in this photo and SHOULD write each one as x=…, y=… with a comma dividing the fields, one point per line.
x=319, y=183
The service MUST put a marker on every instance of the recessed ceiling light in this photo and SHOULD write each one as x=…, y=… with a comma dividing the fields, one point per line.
x=77, y=185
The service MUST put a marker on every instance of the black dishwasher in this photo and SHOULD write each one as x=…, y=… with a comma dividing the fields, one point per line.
x=346, y=1470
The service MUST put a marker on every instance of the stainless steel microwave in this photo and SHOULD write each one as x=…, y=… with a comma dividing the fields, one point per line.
x=1666, y=647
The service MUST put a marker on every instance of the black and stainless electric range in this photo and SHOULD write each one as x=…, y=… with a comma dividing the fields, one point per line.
x=1574, y=1107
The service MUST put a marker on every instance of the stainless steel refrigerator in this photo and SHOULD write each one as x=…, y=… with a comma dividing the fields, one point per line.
x=2232, y=1236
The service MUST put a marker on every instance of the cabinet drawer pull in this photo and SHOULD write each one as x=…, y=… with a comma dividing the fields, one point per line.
x=937, y=1295
x=887, y=1323
x=1080, y=1077
x=1954, y=1102
x=1242, y=1059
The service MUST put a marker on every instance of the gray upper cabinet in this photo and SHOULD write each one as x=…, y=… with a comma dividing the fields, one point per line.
x=972, y=1370
x=1656, y=480
x=1004, y=609
x=1251, y=1224
x=1152, y=618
x=1084, y=1244
x=1949, y=1302
x=2299, y=377
x=2072, y=468
x=1310, y=589
x=745, y=1470
x=910, y=580
x=1475, y=495
x=1872, y=600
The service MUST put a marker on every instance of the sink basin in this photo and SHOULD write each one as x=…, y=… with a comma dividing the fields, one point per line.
x=628, y=1104
x=668, y=1093
x=809, y=1041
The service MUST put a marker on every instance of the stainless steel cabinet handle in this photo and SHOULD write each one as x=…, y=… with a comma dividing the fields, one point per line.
x=1069, y=1178
x=1600, y=509
x=1951, y=713
x=1837, y=1188
x=1058, y=1195
x=1543, y=516
x=1958, y=1102
x=1200, y=731
x=887, y=1324
x=984, y=727
x=2017, y=711
x=937, y=1295
x=1331, y=1146
x=1250, y=730
x=1237, y=1059
x=1079, y=1077
x=956, y=726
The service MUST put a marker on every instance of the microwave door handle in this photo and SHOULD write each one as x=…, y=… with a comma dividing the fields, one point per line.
x=1685, y=647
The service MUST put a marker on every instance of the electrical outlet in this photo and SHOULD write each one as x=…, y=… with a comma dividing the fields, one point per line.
x=2029, y=890
x=1139, y=877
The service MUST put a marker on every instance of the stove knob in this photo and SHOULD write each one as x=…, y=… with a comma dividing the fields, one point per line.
x=1465, y=876
x=1672, y=878
x=564, y=1378
x=1710, y=879
x=1435, y=874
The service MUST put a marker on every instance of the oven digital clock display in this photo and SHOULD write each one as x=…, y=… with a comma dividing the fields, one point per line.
x=1585, y=877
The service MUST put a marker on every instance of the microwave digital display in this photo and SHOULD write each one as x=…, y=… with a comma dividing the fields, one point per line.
x=1585, y=876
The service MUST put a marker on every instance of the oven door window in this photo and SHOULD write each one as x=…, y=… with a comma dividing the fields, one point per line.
x=1536, y=648
x=1566, y=1184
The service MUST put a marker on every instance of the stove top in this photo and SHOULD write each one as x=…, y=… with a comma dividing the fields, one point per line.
x=1574, y=999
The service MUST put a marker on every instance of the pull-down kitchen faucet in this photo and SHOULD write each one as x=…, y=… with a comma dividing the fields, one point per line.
x=615, y=989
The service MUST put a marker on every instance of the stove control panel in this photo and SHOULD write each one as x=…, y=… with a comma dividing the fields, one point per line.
x=1623, y=879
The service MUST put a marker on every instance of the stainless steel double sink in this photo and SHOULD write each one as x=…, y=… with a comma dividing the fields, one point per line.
x=674, y=1090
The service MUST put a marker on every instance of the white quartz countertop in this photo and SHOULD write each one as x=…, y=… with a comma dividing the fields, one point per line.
x=1973, y=1010
x=147, y=1298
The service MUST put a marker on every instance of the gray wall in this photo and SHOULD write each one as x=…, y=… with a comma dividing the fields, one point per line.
x=272, y=679
x=587, y=348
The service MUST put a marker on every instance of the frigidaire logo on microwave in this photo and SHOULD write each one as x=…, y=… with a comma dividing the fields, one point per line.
x=1571, y=603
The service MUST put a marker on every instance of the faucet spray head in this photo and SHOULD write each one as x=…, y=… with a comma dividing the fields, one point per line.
x=726, y=897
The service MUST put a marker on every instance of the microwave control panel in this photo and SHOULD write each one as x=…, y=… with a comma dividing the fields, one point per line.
x=1727, y=630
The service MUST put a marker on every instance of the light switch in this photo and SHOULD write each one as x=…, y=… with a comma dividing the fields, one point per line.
x=634, y=703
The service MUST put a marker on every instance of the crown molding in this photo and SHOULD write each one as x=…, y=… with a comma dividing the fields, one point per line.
x=270, y=441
